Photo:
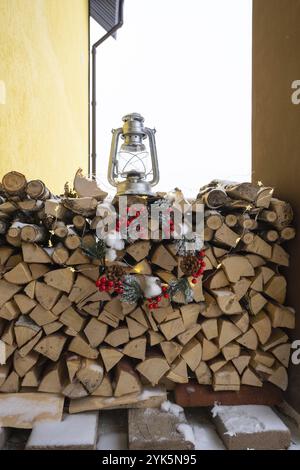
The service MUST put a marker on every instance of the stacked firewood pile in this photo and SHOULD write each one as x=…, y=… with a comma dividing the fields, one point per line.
x=84, y=316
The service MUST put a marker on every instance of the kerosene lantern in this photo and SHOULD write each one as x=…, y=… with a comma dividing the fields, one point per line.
x=131, y=169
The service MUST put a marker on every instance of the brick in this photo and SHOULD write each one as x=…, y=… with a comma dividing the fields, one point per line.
x=73, y=432
x=251, y=427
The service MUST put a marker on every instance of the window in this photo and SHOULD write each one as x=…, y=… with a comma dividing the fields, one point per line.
x=186, y=67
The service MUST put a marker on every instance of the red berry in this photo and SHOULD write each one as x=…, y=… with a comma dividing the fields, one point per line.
x=128, y=223
x=155, y=305
x=98, y=282
x=164, y=288
x=127, y=209
x=202, y=253
x=158, y=298
x=194, y=281
x=102, y=288
x=150, y=306
x=166, y=295
x=110, y=284
x=103, y=279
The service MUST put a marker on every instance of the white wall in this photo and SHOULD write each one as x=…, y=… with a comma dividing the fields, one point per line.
x=186, y=67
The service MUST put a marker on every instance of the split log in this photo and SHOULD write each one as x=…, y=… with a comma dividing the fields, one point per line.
x=276, y=288
x=192, y=353
x=203, y=374
x=90, y=374
x=279, y=377
x=136, y=348
x=178, y=372
x=249, y=377
x=23, y=364
x=20, y=274
x=236, y=267
x=25, y=330
x=51, y=346
x=54, y=378
x=283, y=317
x=262, y=326
x=227, y=332
x=226, y=378
x=127, y=380
x=110, y=357
x=79, y=346
x=153, y=368
x=95, y=331
x=249, y=339
x=227, y=301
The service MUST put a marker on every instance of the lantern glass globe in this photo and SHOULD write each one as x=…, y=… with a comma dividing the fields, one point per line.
x=134, y=160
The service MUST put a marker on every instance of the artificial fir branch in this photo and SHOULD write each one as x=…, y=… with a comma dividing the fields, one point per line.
x=132, y=291
x=181, y=285
x=96, y=251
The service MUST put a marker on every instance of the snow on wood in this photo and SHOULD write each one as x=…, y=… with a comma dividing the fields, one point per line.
x=149, y=397
x=23, y=410
x=73, y=432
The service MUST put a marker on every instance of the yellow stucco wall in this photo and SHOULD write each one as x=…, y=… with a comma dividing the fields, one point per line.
x=44, y=88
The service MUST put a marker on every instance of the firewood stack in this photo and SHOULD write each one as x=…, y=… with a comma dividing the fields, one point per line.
x=150, y=319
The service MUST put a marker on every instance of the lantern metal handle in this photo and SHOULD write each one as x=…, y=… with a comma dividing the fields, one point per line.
x=111, y=174
x=150, y=133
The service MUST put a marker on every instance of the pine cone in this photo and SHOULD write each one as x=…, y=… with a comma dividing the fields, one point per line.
x=189, y=265
x=115, y=272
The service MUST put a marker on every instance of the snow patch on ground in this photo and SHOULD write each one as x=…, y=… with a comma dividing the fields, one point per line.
x=206, y=437
x=187, y=432
x=113, y=441
x=247, y=419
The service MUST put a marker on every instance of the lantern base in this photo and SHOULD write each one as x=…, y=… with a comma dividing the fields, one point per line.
x=141, y=188
x=134, y=185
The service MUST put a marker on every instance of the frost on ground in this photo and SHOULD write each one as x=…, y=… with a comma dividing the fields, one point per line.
x=113, y=441
x=186, y=431
x=206, y=437
x=247, y=419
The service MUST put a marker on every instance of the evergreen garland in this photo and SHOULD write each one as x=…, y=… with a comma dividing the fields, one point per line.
x=132, y=291
x=96, y=251
x=181, y=285
x=188, y=246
